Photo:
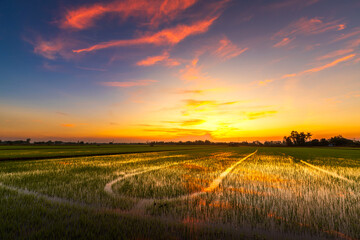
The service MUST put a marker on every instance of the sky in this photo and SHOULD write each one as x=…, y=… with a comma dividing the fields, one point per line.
x=137, y=70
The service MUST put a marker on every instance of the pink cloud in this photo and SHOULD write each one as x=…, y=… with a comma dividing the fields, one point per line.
x=335, y=54
x=48, y=49
x=153, y=12
x=311, y=70
x=305, y=26
x=170, y=36
x=228, y=50
x=164, y=59
x=352, y=33
x=285, y=41
x=52, y=48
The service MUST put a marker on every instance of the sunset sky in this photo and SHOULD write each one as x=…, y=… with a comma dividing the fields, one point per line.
x=137, y=70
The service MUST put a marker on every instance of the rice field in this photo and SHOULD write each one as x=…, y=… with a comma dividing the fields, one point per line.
x=189, y=193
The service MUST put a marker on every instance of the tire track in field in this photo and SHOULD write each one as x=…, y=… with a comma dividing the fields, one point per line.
x=108, y=186
x=219, y=179
x=141, y=205
x=46, y=197
x=211, y=187
x=139, y=208
x=140, y=215
x=335, y=175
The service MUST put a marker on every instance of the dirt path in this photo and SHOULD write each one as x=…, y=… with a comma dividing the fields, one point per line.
x=335, y=175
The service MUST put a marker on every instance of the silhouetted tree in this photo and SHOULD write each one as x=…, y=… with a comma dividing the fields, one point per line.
x=340, y=141
x=297, y=138
x=287, y=141
x=324, y=142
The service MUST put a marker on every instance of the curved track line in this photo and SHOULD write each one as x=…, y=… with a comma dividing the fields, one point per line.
x=40, y=195
x=219, y=179
x=127, y=213
x=328, y=172
x=108, y=186
x=211, y=187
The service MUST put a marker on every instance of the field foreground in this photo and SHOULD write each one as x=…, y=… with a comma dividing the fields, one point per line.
x=181, y=193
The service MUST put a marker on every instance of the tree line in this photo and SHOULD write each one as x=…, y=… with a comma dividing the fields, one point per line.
x=294, y=139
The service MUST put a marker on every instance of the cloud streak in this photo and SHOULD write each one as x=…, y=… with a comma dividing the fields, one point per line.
x=170, y=36
x=311, y=70
x=153, y=12
x=261, y=114
x=185, y=123
x=305, y=27
x=335, y=54
x=329, y=65
x=163, y=59
x=228, y=50
x=285, y=41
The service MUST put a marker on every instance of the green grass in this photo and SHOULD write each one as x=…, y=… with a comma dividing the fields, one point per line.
x=272, y=194
x=31, y=152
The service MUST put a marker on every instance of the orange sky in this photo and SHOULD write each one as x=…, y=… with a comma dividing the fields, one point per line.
x=182, y=70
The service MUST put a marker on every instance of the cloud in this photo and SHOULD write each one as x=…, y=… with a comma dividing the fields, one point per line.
x=52, y=48
x=335, y=54
x=192, y=122
x=198, y=106
x=190, y=91
x=305, y=26
x=311, y=70
x=285, y=41
x=332, y=64
x=185, y=123
x=343, y=36
x=199, y=103
x=228, y=50
x=170, y=36
x=48, y=49
x=260, y=114
x=265, y=82
x=164, y=59
x=193, y=73
x=179, y=131
x=129, y=84
x=341, y=98
x=153, y=12
x=354, y=43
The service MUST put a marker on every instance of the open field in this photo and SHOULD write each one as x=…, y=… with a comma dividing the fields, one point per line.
x=181, y=192
x=31, y=152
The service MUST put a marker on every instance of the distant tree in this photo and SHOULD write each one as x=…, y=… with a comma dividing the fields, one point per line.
x=315, y=142
x=28, y=141
x=324, y=142
x=340, y=141
x=297, y=138
x=287, y=141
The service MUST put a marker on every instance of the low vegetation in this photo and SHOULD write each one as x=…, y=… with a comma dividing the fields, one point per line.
x=278, y=192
